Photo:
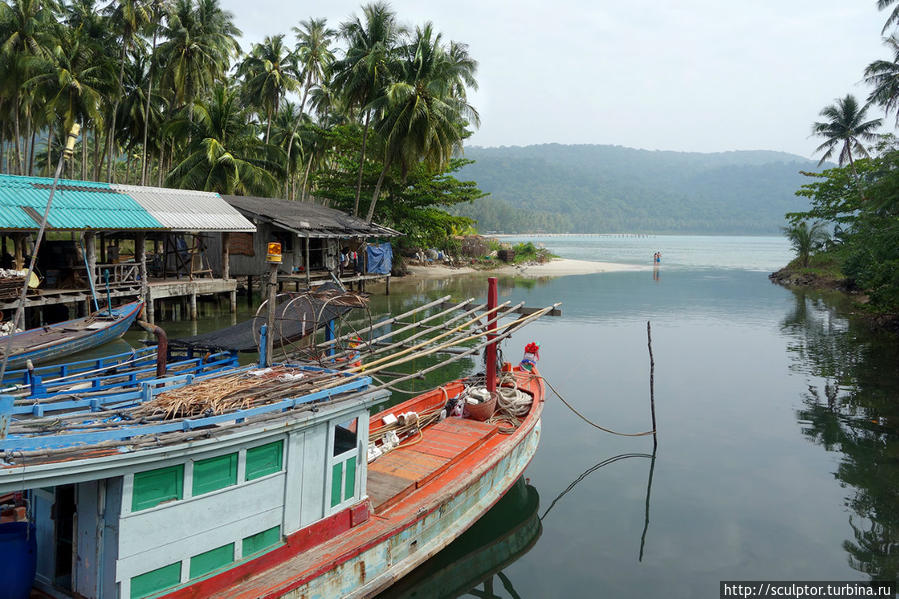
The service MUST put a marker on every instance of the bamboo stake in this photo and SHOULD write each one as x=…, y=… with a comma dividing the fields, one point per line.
x=652, y=397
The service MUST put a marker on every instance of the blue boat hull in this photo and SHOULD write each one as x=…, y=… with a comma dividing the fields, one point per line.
x=125, y=316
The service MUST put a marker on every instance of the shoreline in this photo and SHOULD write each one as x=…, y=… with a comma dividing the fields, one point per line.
x=558, y=267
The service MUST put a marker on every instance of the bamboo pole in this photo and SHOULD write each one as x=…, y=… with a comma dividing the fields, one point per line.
x=391, y=334
x=385, y=322
x=404, y=342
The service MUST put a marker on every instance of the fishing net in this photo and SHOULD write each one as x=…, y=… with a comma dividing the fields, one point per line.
x=296, y=316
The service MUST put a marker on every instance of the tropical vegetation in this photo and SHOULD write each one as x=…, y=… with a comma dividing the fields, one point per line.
x=857, y=203
x=367, y=116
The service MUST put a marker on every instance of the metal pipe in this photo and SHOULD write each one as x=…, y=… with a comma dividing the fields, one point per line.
x=162, y=346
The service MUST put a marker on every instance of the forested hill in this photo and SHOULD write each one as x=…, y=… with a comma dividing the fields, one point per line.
x=598, y=189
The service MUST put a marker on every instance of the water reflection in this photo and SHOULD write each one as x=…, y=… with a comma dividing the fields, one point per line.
x=474, y=563
x=850, y=407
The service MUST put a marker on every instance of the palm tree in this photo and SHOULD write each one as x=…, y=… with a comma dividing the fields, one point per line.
x=805, y=239
x=29, y=28
x=225, y=153
x=362, y=74
x=129, y=18
x=313, y=52
x=200, y=42
x=894, y=15
x=883, y=77
x=158, y=9
x=269, y=72
x=74, y=81
x=424, y=112
x=845, y=128
x=288, y=124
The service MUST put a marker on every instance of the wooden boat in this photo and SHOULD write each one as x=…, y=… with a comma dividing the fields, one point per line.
x=264, y=482
x=506, y=533
x=55, y=341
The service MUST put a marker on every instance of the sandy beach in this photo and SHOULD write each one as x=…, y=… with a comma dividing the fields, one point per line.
x=558, y=267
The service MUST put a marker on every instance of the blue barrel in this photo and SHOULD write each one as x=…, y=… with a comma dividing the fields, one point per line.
x=17, y=567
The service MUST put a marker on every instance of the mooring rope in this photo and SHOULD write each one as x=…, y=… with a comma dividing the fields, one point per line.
x=590, y=422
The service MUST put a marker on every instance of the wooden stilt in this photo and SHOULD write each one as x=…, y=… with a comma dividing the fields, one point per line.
x=193, y=305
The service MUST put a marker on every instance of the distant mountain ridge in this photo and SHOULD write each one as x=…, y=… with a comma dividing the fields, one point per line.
x=602, y=188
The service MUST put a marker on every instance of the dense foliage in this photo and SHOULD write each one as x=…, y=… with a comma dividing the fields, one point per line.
x=862, y=209
x=859, y=200
x=369, y=116
x=591, y=188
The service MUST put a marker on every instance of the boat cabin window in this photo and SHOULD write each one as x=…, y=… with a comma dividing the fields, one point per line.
x=261, y=540
x=214, y=473
x=265, y=459
x=153, y=487
x=206, y=562
x=345, y=436
x=155, y=580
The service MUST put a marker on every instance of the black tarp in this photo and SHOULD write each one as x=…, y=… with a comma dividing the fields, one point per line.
x=296, y=315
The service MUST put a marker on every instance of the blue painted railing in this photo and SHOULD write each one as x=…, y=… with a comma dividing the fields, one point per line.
x=135, y=373
x=21, y=376
x=56, y=441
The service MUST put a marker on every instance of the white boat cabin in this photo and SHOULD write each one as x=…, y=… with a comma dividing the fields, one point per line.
x=136, y=523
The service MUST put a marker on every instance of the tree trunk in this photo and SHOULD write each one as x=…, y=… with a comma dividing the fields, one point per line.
x=143, y=162
x=268, y=127
x=49, y=151
x=104, y=156
x=361, y=164
x=110, y=171
x=31, y=151
x=83, y=155
x=20, y=165
x=305, y=93
x=306, y=177
x=374, y=197
x=287, y=169
x=96, y=154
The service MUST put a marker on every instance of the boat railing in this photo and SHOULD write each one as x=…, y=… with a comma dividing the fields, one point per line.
x=80, y=368
x=138, y=370
x=145, y=391
x=51, y=439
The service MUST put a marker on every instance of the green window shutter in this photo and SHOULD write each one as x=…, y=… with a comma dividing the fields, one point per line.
x=157, y=486
x=215, y=473
x=336, y=483
x=265, y=459
x=211, y=560
x=350, y=486
x=261, y=540
x=156, y=580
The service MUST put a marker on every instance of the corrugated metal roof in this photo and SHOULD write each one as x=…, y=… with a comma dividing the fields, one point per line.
x=308, y=219
x=76, y=205
x=187, y=210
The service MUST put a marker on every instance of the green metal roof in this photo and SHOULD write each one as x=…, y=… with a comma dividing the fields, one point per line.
x=76, y=205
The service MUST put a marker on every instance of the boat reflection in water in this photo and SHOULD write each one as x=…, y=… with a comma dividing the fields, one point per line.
x=508, y=531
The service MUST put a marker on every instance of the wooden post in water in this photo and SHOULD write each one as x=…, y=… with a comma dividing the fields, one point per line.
x=492, y=299
x=652, y=397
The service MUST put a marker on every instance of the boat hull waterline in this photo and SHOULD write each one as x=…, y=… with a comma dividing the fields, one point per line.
x=338, y=559
x=83, y=334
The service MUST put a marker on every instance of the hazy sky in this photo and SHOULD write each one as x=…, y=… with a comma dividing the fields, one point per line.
x=698, y=75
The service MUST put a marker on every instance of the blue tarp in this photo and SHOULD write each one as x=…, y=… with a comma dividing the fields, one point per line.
x=380, y=258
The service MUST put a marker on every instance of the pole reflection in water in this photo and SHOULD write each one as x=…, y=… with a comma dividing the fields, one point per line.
x=469, y=564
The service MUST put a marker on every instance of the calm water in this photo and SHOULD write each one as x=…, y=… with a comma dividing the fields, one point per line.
x=778, y=450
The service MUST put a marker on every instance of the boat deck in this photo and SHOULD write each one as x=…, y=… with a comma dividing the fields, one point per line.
x=396, y=474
